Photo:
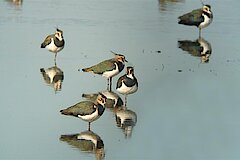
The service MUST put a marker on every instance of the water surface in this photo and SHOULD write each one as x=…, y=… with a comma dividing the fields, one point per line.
x=185, y=109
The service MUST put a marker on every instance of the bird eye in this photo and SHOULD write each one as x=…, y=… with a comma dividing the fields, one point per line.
x=103, y=100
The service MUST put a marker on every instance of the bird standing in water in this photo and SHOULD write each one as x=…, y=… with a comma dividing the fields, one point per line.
x=87, y=110
x=127, y=84
x=54, y=42
x=108, y=68
x=200, y=18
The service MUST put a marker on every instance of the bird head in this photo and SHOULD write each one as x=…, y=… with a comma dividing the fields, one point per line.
x=59, y=34
x=101, y=99
x=130, y=70
x=207, y=8
x=119, y=57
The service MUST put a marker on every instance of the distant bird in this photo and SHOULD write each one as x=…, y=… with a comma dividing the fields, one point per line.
x=127, y=84
x=200, y=18
x=54, y=42
x=87, y=110
x=16, y=2
x=108, y=68
x=53, y=76
x=86, y=141
x=198, y=48
x=113, y=99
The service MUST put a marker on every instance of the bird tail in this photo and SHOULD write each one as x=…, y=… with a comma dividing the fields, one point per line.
x=88, y=96
x=43, y=45
x=87, y=69
x=182, y=19
x=42, y=70
x=65, y=112
x=187, y=20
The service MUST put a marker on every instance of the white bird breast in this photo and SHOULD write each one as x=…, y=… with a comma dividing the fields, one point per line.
x=206, y=22
x=53, y=48
x=91, y=117
x=127, y=90
x=112, y=73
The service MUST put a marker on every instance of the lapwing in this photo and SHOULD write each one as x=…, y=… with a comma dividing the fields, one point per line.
x=198, y=48
x=86, y=141
x=200, y=18
x=127, y=84
x=108, y=68
x=113, y=99
x=87, y=110
x=54, y=42
x=53, y=76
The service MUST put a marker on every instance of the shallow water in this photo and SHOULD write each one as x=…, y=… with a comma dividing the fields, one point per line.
x=184, y=109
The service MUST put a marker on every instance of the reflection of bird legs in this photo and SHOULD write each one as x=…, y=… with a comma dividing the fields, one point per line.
x=109, y=86
x=125, y=101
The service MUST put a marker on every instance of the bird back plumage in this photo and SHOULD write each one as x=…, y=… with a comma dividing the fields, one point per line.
x=193, y=18
x=81, y=108
x=101, y=67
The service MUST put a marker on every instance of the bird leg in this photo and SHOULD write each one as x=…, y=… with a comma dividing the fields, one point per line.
x=55, y=57
x=110, y=84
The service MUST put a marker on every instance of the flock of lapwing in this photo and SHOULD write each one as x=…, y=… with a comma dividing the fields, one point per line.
x=91, y=110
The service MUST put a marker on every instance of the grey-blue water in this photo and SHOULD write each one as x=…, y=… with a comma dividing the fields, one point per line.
x=186, y=109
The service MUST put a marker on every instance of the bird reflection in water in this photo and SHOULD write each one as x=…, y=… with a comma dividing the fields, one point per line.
x=53, y=77
x=87, y=142
x=126, y=119
x=15, y=2
x=163, y=4
x=113, y=99
x=198, y=48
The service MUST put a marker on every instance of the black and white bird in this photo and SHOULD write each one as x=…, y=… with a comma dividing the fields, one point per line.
x=87, y=110
x=127, y=84
x=54, y=42
x=200, y=18
x=108, y=68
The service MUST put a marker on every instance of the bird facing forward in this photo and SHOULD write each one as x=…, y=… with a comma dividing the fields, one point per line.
x=127, y=84
x=54, y=42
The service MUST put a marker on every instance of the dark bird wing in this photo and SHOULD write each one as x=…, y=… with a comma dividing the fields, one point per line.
x=119, y=82
x=193, y=18
x=81, y=108
x=45, y=76
x=127, y=81
x=83, y=145
x=192, y=47
x=102, y=67
x=130, y=82
x=47, y=41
